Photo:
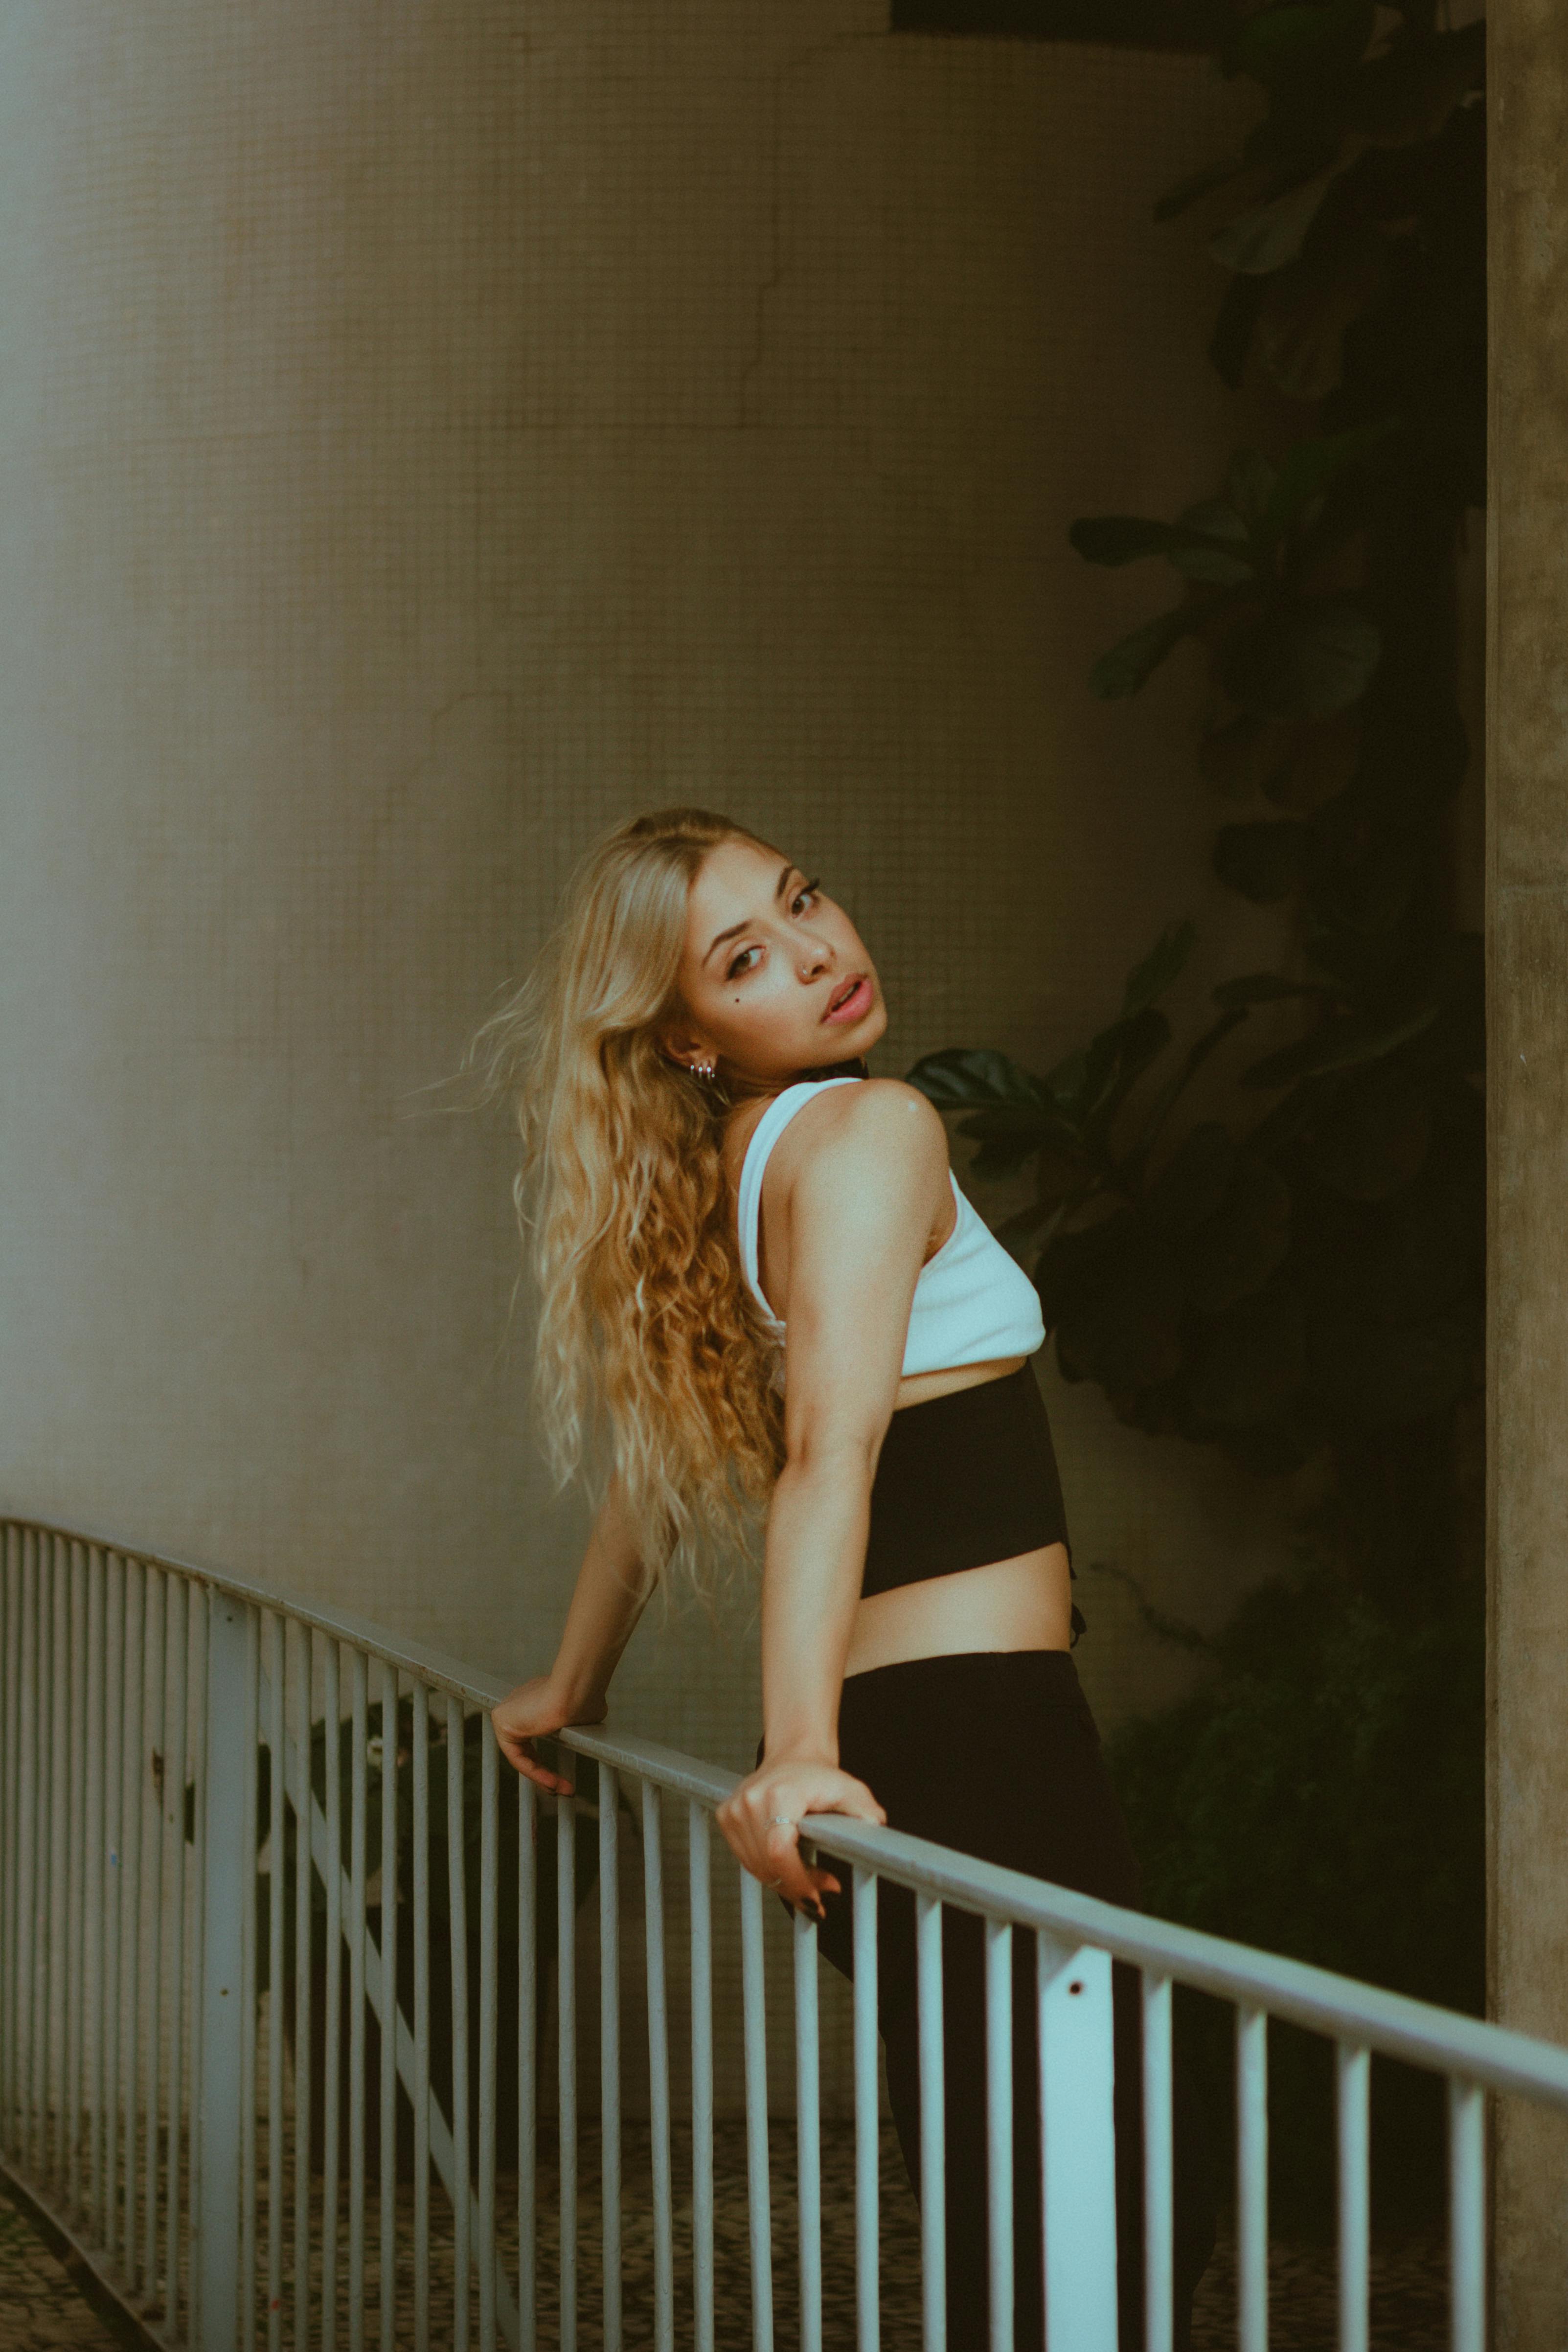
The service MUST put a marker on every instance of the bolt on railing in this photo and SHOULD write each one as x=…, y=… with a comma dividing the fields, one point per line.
x=267, y=1919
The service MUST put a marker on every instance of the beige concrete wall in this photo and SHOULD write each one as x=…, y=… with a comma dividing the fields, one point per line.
x=429, y=434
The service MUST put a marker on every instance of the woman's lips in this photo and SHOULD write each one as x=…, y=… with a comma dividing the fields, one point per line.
x=856, y=1005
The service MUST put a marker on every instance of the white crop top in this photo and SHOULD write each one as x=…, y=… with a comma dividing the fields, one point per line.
x=972, y=1303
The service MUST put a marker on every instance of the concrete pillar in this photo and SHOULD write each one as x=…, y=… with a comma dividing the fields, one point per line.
x=1528, y=981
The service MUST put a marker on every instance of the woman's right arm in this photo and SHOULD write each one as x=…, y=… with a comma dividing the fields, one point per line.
x=609, y=1598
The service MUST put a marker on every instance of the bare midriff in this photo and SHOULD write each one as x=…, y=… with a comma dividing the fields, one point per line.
x=1023, y=1603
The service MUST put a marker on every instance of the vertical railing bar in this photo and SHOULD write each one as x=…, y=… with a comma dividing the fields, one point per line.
x=37, y=2030
x=134, y=1683
x=93, y=1889
x=701, y=2071
x=1353, y=2082
x=333, y=1996
x=76, y=1894
x=158, y=1710
x=60, y=1859
x=1159, y=2241
x=201, y=1657
x=10, y=1891
x=490, y=1836
x=933, y=2175
x=8, y=1641
x=868, y=2120
x=1252, y=2178
x=249, y=2148
x=610, y=2053
x=44, y=1974
x=527, y=2074
x=30, y=1868
x=39, y=1850
x=386, y=2236
x=175, y=1756
x=658, y=2071
x=224, y=1652
x=807, y=2133
x=358, y=2086
x=1466, y=2215
x=114, y=1644
x=304, y=1680
x=458, y=1887
x=276, y=1881
x=566, y=2059
x=753, y=1995
x=421, y=2018
x=999, y=2128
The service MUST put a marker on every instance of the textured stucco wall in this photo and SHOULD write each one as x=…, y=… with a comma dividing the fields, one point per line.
x=427, y=433
x=1527, y=767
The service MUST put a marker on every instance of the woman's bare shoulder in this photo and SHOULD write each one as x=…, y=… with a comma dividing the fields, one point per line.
x=864, y=1129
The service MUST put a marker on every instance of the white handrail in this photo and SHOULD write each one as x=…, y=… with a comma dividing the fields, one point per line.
x=76, y=2130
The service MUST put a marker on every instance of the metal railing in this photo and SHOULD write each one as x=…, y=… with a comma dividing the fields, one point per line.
x=253, y=2004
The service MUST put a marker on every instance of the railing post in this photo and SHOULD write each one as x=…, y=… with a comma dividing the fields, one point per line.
x=217, y=2251
x=1078, y=2146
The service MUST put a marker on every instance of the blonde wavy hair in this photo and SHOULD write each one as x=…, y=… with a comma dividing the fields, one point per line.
x=645, y=1320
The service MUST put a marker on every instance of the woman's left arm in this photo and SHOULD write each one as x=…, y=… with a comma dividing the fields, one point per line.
x=858, y=1215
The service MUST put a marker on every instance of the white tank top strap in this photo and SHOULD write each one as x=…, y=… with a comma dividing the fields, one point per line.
x=749, y=1203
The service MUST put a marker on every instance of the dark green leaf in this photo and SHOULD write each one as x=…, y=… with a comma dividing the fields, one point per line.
x=1248, y=1364
x=1339, y=1046
x=1249, y=485
x=1264, y=861
x=1068, y=1080
x=1125, y=1332
x=1194, y=1180
x=1408, y=93
x=1009, y=1135
x=964, y=1077
x=1303, y=660
x=1309, y=466
x=1269, y=235
x=1316, y=42
x=1242, y=1245
x=1118, y=539
x=1211, y=543
x=1198, y=183
x=1374, y=1136
x=1074, y=1266
x=1264, y=988
x=1164, y=963
x=1234, y=327
x=1122, y=670
x=1383, y=1375
x=1138, y=1043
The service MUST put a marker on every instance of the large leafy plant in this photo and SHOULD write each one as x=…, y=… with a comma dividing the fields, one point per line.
x=1306, y=1280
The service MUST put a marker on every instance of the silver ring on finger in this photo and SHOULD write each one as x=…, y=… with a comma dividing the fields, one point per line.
x=773, y=1882
x=782, y=1821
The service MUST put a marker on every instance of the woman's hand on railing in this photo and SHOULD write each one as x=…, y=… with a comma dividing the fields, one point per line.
x=761, y=1820
x=534, y=1710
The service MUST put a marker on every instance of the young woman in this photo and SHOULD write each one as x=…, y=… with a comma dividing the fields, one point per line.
x=757, y=1273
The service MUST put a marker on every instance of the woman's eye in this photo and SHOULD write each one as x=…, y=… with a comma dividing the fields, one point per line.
x=806, y=891
x=739, y=965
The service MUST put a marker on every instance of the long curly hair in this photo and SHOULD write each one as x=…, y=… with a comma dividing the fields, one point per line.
x=647, y=1334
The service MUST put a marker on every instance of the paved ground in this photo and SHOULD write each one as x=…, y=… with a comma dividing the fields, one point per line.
x=41, y=2311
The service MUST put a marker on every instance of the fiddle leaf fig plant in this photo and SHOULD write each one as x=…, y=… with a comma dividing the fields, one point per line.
x=1305, y=1279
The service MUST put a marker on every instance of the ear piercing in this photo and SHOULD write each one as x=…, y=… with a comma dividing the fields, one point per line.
x=704, y=1070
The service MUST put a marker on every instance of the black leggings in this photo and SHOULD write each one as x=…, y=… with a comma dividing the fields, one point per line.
x=996, y=1755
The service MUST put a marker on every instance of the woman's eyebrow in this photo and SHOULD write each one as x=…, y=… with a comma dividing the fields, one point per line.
x=720, y=937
